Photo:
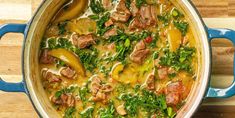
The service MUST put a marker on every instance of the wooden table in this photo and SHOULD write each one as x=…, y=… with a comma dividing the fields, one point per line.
x=216, y=13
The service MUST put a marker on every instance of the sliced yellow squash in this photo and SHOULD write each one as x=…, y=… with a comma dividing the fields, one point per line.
x=71, y=10
x=118, y=74
x=82, y=26
x=174, y=39
x=69, y=58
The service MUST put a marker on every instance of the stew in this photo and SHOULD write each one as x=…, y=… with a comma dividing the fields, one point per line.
x=118, y=59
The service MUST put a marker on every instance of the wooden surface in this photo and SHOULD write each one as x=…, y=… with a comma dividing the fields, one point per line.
x=216, y=13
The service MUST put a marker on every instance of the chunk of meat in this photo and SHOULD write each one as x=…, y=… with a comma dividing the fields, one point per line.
x=120, y=16
x=68, y=72
x=108, y=23
x=51, y=78
x=140, y=53
x=83, y=41
x=45, y=58
x=121, y=7
x=136, y=24
x=162, y=72
x=172, y=98
x=150, y=82
x=100, y=91
x=95, y=85
x=122, y=13
x=111, y=32
x=100, y=96
x=148, y=14
x=174, y=92
x=67, y=100
x=111, y=46
x=176, y=87
x=134, y=10
x=121, y=110
x=107, y=88
x=107, y=4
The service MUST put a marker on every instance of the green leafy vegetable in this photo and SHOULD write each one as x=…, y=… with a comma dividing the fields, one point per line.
x=101, y=29
x=70, y=112
x=182, y=26
x=62, y=28
x=179, y=60
x=131, y=103
x=108, y=112
x=94, y=17
x=96, y=6
x=83, y=92
x=69, y=89
x=176, y=13
x=87, y=113
x=54, y=43
x=165, y=18
x=89, y=58
x=139, y=3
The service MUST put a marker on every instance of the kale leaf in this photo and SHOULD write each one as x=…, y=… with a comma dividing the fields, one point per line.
x=96, y=6
x=87, y=113
x=182, y=26
x=108, y=112
x=70, y=112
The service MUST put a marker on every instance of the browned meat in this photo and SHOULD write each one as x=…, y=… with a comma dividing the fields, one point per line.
x=45, y=58
x=122, y=13
x=95, y=85
x=120, y=16
x=150, y=82
x=162, y=72
x=50, y=77
x=176, y=87
x=108, y=23
x=107, y=4
x=111, y=32
x=99, y=90
x=140, y=53
x=107, y=88
x=111, y=46
x=172, y=98
x=68, y=72
x=100, y=96
x=136, y=24
x=174, y=92
x=83, y=41
x=148, y=15
x=134, y=10
x=67, y=100
x=121, y=110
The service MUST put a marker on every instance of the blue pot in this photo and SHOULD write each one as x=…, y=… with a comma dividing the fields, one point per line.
x=34, y=30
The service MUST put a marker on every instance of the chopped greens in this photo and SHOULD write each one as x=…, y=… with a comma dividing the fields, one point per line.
x=165, y=18
x=182, y=26
x=147, y=101
x=61, y=27
x=69, y=89
x=87, y=113
x=139, y=3
x=100, y=24
x=96, y=6
x=179, y=60
x=108, y=112
x=70, y=112
x=88, y=57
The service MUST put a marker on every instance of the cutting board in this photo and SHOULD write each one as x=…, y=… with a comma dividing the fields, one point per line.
x=215, y=13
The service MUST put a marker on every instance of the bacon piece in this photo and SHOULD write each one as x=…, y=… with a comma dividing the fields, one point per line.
x=83, y=41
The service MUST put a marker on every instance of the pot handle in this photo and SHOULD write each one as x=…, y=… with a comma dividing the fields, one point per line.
x=218, y=92
x=6, y=86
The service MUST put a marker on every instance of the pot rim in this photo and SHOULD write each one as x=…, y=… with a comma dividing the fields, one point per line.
x=205, y=45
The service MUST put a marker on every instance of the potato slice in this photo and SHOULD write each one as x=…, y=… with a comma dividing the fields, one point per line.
x=124, y=77
x=69, y=58
x=82, y=26
x=71, y=10
x=174, y=39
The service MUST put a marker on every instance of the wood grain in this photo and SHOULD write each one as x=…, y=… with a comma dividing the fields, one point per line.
x=216, y=14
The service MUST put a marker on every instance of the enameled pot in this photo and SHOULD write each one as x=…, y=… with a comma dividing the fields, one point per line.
x=34, y=30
